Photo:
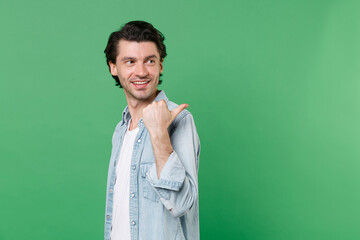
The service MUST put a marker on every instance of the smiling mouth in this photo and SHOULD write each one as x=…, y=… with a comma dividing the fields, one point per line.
x=140, y=83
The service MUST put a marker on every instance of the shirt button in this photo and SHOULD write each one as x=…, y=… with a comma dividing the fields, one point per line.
x=139, y=140
x=133, y=167
x=141, y=120
x=107, y=216
x=111, y=190
x=133, y=223
x=133, y=195
x=147, y=173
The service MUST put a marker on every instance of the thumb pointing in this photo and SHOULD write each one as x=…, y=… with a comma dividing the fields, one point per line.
x=178, y=110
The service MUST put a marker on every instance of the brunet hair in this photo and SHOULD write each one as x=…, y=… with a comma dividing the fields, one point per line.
x=138, y=31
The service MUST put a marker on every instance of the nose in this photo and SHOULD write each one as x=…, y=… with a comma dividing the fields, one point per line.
x=141, y=70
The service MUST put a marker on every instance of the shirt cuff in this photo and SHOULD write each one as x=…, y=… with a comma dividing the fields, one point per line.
x=172, y=175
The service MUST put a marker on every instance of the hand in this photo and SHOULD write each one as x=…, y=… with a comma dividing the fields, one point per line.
x=157, y=117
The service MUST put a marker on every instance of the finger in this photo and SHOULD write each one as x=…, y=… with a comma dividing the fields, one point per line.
x=177, y=110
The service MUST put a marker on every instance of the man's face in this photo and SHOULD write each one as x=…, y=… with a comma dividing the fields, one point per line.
x=138, y=67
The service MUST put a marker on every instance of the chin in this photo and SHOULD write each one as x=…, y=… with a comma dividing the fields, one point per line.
x=146, y=95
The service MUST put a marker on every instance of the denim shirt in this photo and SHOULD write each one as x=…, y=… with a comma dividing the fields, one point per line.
x=166, y=207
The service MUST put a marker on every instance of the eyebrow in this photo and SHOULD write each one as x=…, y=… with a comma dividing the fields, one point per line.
x=151, y=56
x=132, y=58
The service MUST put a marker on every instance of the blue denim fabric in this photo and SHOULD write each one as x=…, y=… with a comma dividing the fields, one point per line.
x=165, y=208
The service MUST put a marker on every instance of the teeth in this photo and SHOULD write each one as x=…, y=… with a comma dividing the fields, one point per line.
x=140, y=82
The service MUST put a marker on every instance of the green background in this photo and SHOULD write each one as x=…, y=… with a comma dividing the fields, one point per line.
x=273, y=86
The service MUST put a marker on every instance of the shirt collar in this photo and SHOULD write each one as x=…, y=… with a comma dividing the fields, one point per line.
x=126, y=114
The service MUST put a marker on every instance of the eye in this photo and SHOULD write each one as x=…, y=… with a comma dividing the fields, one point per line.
x=129, y=62
x=150, y=61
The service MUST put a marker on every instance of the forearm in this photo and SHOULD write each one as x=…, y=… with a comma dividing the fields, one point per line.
x=177, y=184
x=176, y=152
x=162, y=149
x=157, y=118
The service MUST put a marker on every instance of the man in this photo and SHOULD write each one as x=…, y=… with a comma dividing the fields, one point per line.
x=152, y=186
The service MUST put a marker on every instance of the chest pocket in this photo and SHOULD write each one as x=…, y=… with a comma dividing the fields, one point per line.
x=148, y=190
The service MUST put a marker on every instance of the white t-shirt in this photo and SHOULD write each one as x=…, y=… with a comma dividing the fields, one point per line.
x=121, y=220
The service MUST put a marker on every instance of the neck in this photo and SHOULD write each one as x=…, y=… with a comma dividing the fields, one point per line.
x=136, y=107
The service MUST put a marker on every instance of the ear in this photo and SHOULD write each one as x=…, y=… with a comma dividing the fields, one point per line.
x=161, y=65
x=113, y=69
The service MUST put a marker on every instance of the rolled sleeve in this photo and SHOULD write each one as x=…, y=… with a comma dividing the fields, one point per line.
x=172, y=175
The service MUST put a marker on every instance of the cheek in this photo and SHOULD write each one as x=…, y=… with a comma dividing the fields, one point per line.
x=124, y=73
x=156, y=70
